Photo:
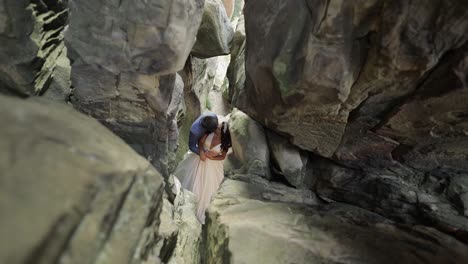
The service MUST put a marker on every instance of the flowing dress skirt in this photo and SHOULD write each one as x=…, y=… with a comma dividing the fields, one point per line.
x=202, y=178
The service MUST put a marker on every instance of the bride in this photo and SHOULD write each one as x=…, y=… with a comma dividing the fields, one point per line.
x=203, y=174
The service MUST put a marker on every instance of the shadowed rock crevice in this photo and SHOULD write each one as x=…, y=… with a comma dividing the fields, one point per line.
x=32, y=38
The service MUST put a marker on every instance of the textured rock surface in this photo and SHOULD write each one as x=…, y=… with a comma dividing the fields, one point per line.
x=72, y=192
x=256, y=187
x=236, y=69
x=377, y=88
x=334, y=233
x=189, y=237
x=133, y=36
x=167, y=232
x=215, y=33
x=118, y=67
x=250, y=149
x=143, y=118
x=409, y=198
x=337, y=56
x=125, y=57
x=289, y=159
x=32, y=41
x=60, y=83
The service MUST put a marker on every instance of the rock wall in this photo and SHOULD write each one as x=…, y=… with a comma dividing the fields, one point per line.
x=72, y=191
x=31, y=33
x=236, y=70
x=250, y=152
x=215, y=33
x=340, y=56
x=125, y=56
x=374, y=89
x=264, y=222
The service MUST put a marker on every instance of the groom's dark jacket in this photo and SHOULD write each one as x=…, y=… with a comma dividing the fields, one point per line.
x=197, y=131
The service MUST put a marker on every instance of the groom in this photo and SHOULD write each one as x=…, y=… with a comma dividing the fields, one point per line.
x=205, y=124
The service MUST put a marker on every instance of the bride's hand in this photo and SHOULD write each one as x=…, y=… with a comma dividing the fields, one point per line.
x=211, y=154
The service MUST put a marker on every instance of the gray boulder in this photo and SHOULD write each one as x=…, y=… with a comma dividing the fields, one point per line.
x=334, y=233
x=60, y=84
x=144, y=37
x=215, y=33
x=180, y=231
x=377, y=89
x=236, y=69
x=250, y=153
x=290, y=160
x=72, y=192
x=187, y=248
x=329, y=60
x=124, y=60
x=32, y=41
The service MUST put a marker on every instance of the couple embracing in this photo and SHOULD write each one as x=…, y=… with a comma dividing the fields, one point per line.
x=202, y=171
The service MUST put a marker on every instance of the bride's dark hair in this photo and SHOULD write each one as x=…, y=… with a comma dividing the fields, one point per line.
x=225, y=137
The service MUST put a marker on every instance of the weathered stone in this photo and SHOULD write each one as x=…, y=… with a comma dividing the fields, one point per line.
x=77, y=196
x=250, y=149
x=180, y=231
x=167, y=232
x=32, y=41
x=377, y=88
x=144, y=37
x=262, y=189
x=335, y=233
x=291, y=161
x=394, y=194
x=215, y=33
x=236, y=69
x=304, y=76
x=124, y=67
x=60, y=86
x=133, y=107
x=189, y=237
x=458, y=191
x=173, y=132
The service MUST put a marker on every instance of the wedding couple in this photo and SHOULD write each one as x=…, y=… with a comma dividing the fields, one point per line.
x=202, y=169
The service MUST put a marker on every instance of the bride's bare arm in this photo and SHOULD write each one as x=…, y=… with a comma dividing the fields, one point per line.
x=201, y=144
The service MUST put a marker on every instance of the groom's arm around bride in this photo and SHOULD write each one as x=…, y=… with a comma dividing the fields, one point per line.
x=205, y=124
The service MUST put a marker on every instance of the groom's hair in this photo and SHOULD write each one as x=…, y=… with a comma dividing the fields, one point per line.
x=210, y=123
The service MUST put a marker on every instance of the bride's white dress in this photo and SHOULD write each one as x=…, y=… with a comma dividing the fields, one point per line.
x=201, y=177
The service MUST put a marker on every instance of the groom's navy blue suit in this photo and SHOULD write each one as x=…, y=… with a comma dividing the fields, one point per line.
x=197, y=131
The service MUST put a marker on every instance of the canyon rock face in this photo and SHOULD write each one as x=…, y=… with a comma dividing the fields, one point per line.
x=366, y=56
x=245, y=226
x=215, y=33
x=350, y=132
x=377, y=91
x=249, y=147
x=31, y=33
x=72, y=191
x=124, y=61
x=236, y=69
x=290, y=161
